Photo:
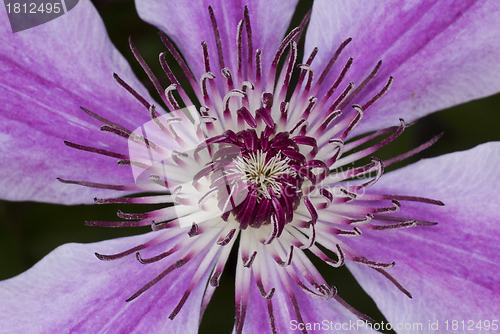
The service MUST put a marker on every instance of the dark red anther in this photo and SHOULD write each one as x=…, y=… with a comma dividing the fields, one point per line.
x=194, y=230
x=288, y=258
x=247, y=116
x=332, y=61
x=225, y=240
x=249, y=261
x=312, y=210
x=305, y=140
x=218, y=44
x=265, y=114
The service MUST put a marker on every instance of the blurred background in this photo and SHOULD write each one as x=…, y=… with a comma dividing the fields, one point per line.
x=28, y=231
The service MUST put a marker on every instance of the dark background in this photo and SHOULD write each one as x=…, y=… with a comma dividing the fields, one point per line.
x=28, y=231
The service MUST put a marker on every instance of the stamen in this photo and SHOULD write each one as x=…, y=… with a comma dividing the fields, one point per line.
x=147, y=70
x=370, y=150
x=288, y=72
x=338, y=104
x=333, y=116
x=119, y=224
x=95, y=150
x=105, y=121
x=158, y=278
x=363, y=84
x=203, y=85
x=217, y=37
x=206, y=58
x=312, y=237
x=226, y=73
x=248, y=262
x=336, y=83
x=279, y=52
x=373, y=264
x=274, y=231
x=355, y=232
x=403, y=219
x=296, y=309
x=200, y=271
x=402, y=198
x=353, y=144
x=336, y=264
x=156, y=199
x=265, y=115
x=154, y=116
x=225, y=240
x=100, y=185
x=178, y=58
x=131, y=91
x=312, y=210
x=331, y=63
x=394, y=281
x=170, y=97
x=248, y=28
x=289, y=258
x=310, y=106
x=363, y=221
x=258, y=69
x=103, y=257
x=379, y=94
x=299, y=123
x=354, y=122
x=307, y=69
x=239, y=49
x=379, y=165
x=245, y=115
x=158, y=257
x=194, y=230
x=407, y=224
x=414, y=151
x=173, y=80
x=263, y=293
x=284, y=113
x=232, y=93
x=395, y=208
x=353, y=310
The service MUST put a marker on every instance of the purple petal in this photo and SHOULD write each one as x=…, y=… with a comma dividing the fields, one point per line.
x=189, y=24
x=323, y=314
x=46, y=74
x=439, y=53
x=452, y=269
x=70, y=290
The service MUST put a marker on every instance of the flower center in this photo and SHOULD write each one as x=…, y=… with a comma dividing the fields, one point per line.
x=263, y=173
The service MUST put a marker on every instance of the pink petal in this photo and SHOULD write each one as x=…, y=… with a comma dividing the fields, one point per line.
x=188, y=24
x=439, y=53
x=452, y=269
x=47, y=73
x=72, y=291
x=321, y=315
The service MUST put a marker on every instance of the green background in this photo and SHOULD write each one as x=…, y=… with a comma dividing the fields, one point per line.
x=28, y=231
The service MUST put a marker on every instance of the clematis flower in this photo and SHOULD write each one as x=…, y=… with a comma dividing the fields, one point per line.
x=244, y=157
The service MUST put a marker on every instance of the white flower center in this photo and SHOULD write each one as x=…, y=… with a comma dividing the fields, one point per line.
x=265, y=174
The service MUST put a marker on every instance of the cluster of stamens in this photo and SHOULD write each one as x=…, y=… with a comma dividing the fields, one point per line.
x=269, y=169
x=263, y=172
